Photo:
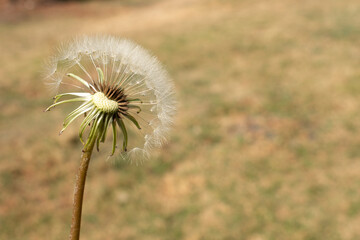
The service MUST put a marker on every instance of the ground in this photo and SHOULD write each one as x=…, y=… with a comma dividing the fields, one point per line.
x=266, y=140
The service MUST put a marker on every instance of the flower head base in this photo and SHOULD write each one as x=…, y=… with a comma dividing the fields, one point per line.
x=121, y=87
x=104, y=104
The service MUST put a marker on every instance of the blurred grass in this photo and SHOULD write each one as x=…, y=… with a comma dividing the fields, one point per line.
x=266, y=142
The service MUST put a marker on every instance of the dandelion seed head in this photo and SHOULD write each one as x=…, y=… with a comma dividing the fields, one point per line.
x=126, y=90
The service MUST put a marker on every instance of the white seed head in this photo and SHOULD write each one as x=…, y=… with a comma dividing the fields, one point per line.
x=117, y=80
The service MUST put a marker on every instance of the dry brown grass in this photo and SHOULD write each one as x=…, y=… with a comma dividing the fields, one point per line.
x=266, y=142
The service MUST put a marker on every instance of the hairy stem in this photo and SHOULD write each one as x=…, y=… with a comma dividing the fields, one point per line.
x=79, y=190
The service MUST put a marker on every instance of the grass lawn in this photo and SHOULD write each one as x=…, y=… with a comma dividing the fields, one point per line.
x=266, y=142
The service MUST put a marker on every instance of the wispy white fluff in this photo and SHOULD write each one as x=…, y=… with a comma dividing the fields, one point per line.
x=130, y=66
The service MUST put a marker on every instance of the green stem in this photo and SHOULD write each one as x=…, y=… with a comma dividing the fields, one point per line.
x=79, y=190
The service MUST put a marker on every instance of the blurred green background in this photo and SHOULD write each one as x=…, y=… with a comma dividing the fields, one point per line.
x=266, y=141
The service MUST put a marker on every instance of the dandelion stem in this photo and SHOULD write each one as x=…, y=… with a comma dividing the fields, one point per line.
x=79, y=190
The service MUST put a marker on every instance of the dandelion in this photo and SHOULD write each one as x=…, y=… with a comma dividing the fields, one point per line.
x=121, y=89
